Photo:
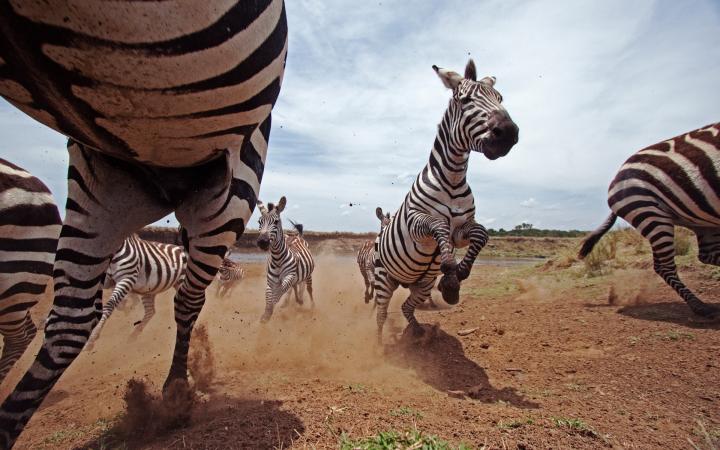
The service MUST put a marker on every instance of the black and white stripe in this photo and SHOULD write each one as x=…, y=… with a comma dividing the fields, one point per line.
x=29, y=230
x=290, y=263
x=366, y=258
x=167, y=106
x=438, y=214
x=141, y=267
x=674, y=182
x=229, y=277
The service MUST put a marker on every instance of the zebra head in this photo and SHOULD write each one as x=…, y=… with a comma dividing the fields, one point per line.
x=384, y=218
x=270, y=223
x=478, y=121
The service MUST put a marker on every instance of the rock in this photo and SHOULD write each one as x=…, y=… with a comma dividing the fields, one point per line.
x=485, y=345
x=467, y=331
x=456, y=394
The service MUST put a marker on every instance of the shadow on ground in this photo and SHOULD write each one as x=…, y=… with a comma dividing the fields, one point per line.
x=221, y=422
x=439, y=360
x=672, y=312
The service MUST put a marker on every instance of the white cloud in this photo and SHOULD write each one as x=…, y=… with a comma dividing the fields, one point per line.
x=529, y=203
x=588, y=83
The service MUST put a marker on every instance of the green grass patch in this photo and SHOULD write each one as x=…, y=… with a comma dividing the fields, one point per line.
x=393, y=440
x=70, y=435
x=575, y=426
x=674, y=335
x=406, y=411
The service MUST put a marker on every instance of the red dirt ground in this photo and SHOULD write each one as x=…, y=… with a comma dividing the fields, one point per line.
x=548, y=353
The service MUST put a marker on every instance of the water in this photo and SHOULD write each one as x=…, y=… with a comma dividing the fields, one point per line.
x=261, y=257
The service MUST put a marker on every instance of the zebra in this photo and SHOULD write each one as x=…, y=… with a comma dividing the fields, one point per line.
x=366, y=260
x=29, y=229
x=229, y=276
x=167, y=106
x=290, y=264
x=141, y=267
x=438, y=214
x=674, y=182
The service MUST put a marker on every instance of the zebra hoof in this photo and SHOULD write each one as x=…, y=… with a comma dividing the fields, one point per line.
x=175, y=385
x=264, y=319
x=449, y=286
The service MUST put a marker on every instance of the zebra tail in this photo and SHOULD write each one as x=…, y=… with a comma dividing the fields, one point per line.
x=595, y=236
x=298, y=227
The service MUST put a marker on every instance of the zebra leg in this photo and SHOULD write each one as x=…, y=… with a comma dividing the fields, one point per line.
x=148, y=302
x=16, y=338
x=299, y=292
x=385, y=285
x=424, y=226
x=475, y=235
x=309, y=287
x=122, y=289
x=92, y=231
x=214, y=217
x=419, y=292
x=708, y=245
x=274, y=294
x=662, y=241
x=366, y=279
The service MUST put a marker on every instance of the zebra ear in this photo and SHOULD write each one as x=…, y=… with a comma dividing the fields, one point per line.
x=470, y=71
x=281, y=204
x=379, y=213
x=261, y=207
x=450, y=79
x=490, y=81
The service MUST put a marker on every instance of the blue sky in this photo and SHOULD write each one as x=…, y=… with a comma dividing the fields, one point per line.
x=588, y=83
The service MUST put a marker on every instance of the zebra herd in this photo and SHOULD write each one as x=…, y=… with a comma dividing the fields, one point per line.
x=175, y=116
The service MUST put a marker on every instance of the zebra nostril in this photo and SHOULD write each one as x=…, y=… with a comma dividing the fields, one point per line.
x=497, y=132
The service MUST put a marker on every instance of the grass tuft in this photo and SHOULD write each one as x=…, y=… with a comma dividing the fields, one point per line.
x=393, y=440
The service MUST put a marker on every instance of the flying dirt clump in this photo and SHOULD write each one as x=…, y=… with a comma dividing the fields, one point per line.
x=148, y=415
x=201, y=360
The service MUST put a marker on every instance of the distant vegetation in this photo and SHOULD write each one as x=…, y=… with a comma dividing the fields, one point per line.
x=527, y=230
x=170, y=235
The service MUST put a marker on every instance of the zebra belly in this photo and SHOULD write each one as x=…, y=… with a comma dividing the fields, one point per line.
x=412, y=262
x=161, y=83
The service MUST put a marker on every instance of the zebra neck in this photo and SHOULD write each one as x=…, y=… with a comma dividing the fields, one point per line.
x=279, y=249
x=448, y=158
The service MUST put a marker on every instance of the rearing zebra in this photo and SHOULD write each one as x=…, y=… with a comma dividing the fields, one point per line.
x=438, y=214
x=167, y=106
x=366, y=258
x=141, y=267
x=674, y=182
x=29, y=229
x=290, y=264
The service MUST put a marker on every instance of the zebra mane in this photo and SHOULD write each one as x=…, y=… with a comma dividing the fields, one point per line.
x=298, y=227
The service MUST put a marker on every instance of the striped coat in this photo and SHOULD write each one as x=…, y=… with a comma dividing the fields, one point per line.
x=167, y=106
x=438, y=214
x=29, y=229
x=141, y=267
x=228, y=277
x=674, y=182
x=290, y=263
x=366, y=258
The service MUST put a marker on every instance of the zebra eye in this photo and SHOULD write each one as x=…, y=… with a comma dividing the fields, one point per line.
x=465, y=100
